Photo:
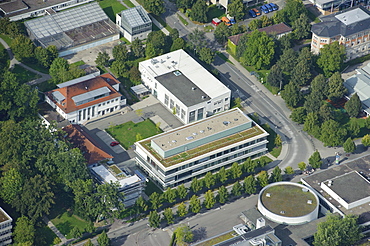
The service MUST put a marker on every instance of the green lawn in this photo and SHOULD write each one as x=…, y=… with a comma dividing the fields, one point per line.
x=129, y=3
x=7, y=39
x=219, y=239
x=126, y=133
x=78, y=63
x=23, y=75
x=46, y=235
x=185, y=22
x=111, y=8
x=214, y=12
x=65, y=222
x=46, y=86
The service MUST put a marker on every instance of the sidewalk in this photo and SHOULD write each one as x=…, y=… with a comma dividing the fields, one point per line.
x=55, y=230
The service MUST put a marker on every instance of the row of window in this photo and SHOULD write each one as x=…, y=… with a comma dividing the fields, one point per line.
x=111, y=101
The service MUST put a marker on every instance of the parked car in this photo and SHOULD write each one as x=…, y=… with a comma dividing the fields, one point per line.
x=226, y=20
x=216, y=21
x=264, y=9
x=252, y=13
x=257, y=11
x=273, y=6
x=114, y=143
x=232, y=20
x=268, y=7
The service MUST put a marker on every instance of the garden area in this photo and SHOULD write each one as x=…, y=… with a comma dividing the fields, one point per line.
x=129, y=133
x=67, y=221
x=215, y=12
x=24, y=75
x=111, y=8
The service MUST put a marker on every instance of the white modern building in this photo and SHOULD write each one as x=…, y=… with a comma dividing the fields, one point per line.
x=87, y=97
x=23, y=9
x=73, y=30
x=176, y=157
x=350, y=27
x=360, y=83
x=132, y=185
x=134, y=23
x=5, y=228
x=184, y=87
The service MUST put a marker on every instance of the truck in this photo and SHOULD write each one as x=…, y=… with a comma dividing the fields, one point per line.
x=226, y=20
x=231, y=18
x=216, y=21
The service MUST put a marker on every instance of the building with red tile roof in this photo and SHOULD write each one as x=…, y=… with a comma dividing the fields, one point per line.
x=88, y=97
x=80, y=139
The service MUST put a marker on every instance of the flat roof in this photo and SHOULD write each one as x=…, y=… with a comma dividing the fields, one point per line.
x=184, y=89
x=139, y=89
x=91, y=94
x=352, y=16
x=108, y=177
x=201, y=129
x=182, y=61
x=136, y=16
x=361, y=165
x=343, y=186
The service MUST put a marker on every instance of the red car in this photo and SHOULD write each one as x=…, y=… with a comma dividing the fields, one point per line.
x=114, y=143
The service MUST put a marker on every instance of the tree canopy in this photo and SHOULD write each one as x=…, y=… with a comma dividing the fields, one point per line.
x=331, y=58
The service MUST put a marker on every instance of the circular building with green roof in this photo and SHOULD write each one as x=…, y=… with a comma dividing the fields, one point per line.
x=288, y=203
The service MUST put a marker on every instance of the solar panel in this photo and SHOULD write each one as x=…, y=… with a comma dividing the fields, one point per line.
x=136, y=16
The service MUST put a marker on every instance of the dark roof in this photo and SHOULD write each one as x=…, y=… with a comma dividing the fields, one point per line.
x=13, y=6
x=182, y=88
x=277, y=29
x=330, y=26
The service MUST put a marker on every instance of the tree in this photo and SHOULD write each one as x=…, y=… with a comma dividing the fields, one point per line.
x=238, y=102
x=242, y=45
x=285, y=42
x=291, y=94
x=60, y=71
x=326, y=112
x=249, y=166
x=301, y=27
x=349, y=146
x=182, y=192
x=154, y=6
x=315, y=160
x=107, y=196
x=137, y=48
x=266, y=21
x=298, y=115
x=335, y=231
x=196, y=185
x=237, y=29
x=207, y=55
x=141, y=204
x=319, y=87
x=223, y=195
x=178, y=44
x=134, y=74
x=260, y=50
x=88, y=243
x=209, y=199
x=168, y=214
x=354, y=127
x=250, y=185
x=311, y=124
x=197, y=39
x=183, y=234
x=156, y=200
x=103, y=239
x=199, y=11
x=44, y=56
x=332, y=134
x=237, y=189
x=287, y=60
x=263, y=179
x=154, y=219
x=11, y=185
x=336, y=89
x=289, y=170
x=22, y=48
x=119, y=68
x=276, y=175
x=236, y=9
x=222, y=175
x=302, y=166
x=255, y=24
x=169, y=195
x=278, y=140
x=366, y=140
x=209, y=180
x=194, y=204
x=102, y=60
x=120, y=52
x=301, y=73
x=181, y=210
x=331, y=58
x=24, y=231
x=275, y=77
x=353, y=105
x=312, y=103
x=150, y=51
x=75, y=232
x=158, y=40
x=235, y=171
x=293, y=10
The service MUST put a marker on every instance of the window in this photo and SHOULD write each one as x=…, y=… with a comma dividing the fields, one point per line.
x=98, y=112
x=155, y=85
x=182, y=114
x=177, y=109
x=93, y=111
x=108, y=102
x=116, y=99
x=171, y=103
x=226, y=99
x=84, y=114
x=88, y=111
x=112, y=101
x=200, y=113
x=192, y=116
x=99, y=104
x=79, y=115
x=166, y=100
